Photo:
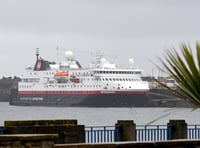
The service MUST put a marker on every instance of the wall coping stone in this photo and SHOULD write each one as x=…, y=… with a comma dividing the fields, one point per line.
x=164, y=144
x=28, y=137
x=51, y=122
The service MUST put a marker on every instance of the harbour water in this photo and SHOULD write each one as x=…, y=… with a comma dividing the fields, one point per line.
x=99, y=116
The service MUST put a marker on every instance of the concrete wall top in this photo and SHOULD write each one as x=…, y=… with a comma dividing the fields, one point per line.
x=28, y=137
x=164, y=144
x=66, y=122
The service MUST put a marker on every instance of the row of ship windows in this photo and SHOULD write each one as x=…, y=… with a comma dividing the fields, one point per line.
x=112, y=79
x=95, y=72
x=48, y=73
x=103, y=79
x=73, y=73
x=31, y=80
x=120, y=79
x=117, y=72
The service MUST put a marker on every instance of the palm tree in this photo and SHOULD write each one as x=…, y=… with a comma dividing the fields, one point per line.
x=185, y=70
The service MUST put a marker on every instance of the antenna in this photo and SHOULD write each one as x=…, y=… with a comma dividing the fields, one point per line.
x=131, y=62
x=57, y=52
x=37, y=53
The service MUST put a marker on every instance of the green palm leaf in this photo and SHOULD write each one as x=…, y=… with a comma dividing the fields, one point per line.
x=185, y=71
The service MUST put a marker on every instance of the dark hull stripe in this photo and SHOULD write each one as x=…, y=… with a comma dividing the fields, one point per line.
x=153, y=98
x=86, y=100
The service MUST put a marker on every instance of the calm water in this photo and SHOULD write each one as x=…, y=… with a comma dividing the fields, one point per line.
x=99, y=116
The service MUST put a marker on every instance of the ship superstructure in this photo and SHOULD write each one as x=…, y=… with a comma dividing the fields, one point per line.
x=69, y=84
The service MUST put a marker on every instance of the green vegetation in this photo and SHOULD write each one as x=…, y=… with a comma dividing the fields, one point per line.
x=184, y=68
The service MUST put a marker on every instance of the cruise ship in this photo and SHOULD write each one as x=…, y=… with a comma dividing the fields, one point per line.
x=102, y=84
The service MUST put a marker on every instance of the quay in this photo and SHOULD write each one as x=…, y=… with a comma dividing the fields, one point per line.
x=66, y=133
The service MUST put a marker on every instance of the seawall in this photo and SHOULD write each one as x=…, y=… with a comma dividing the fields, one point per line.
x=66, y=133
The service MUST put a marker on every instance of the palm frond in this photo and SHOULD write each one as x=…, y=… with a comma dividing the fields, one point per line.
x=185, y=71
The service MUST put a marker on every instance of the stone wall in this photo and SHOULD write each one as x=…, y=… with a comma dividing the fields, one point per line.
x=68, y=131
x=68, y=134
x=28, y=141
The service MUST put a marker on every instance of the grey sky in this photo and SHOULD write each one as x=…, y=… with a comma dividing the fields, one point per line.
x=121, y=29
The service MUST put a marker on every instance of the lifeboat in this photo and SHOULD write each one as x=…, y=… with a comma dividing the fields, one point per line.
x=61, y=74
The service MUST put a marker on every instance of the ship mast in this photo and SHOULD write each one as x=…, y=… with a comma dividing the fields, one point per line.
x=37, y=53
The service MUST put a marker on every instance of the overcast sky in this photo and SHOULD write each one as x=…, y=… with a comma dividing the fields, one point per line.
x=121, y=29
